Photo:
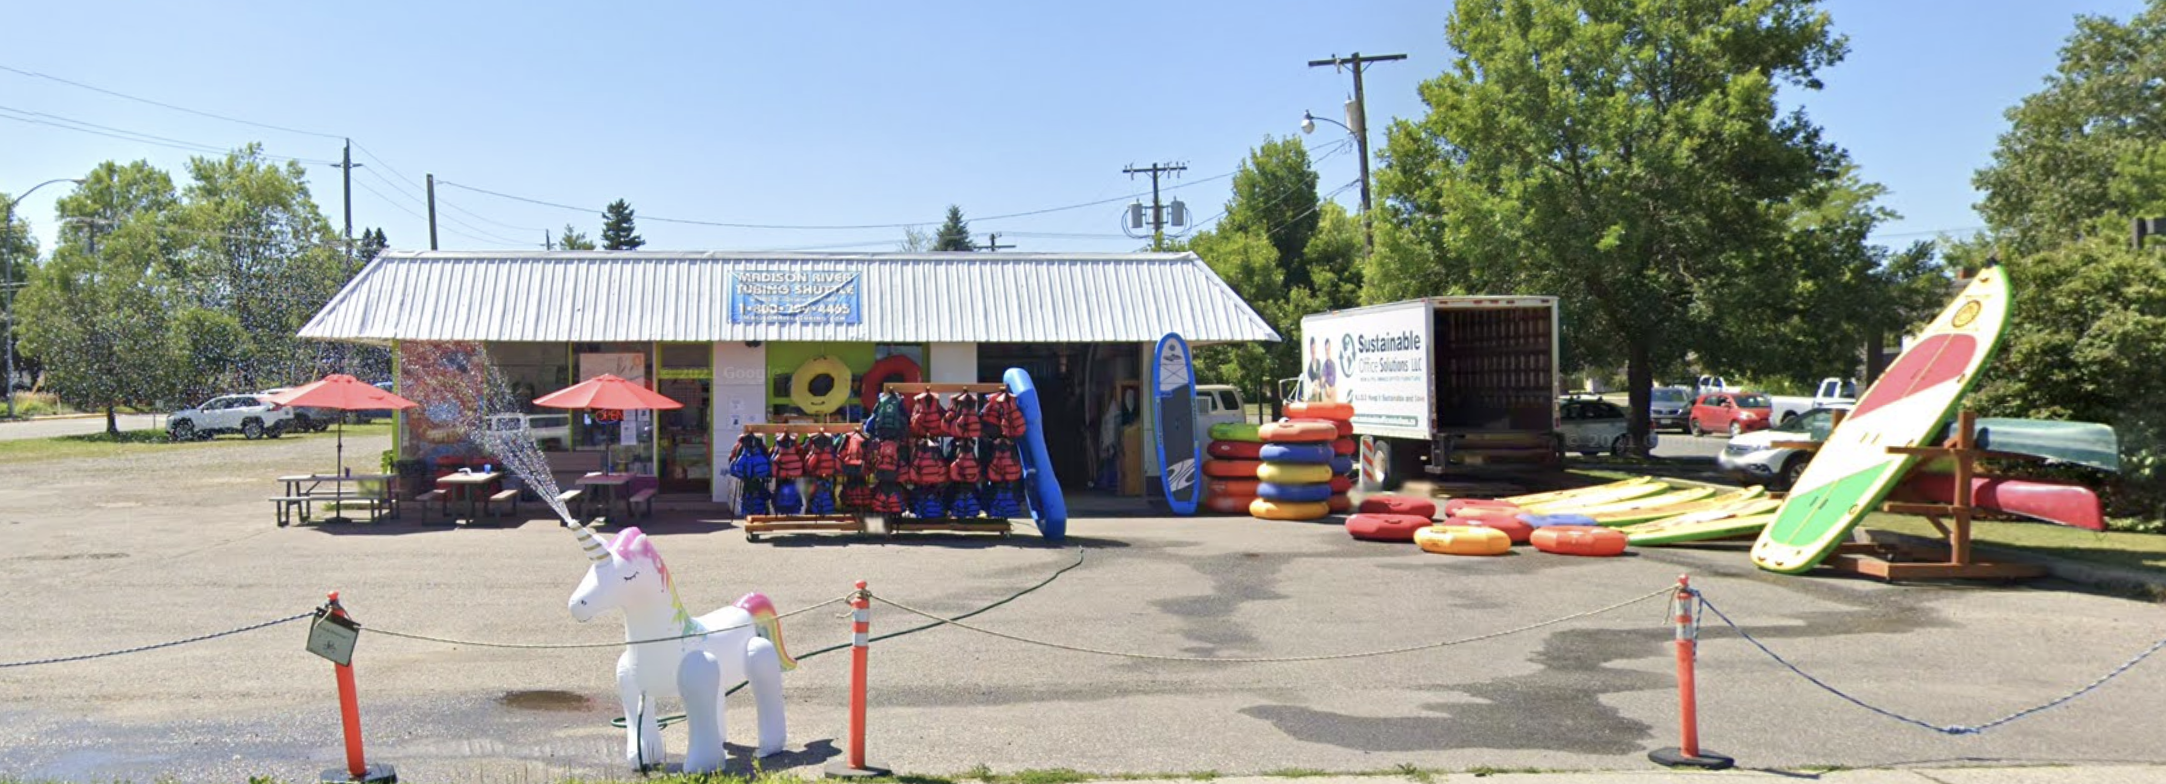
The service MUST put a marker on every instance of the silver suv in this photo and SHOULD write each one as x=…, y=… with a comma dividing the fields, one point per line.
x=252, y=416
x=1749, y=457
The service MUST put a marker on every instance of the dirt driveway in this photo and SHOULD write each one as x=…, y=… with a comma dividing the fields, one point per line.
x=164, y=545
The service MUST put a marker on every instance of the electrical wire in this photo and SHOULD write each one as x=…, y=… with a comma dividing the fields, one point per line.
x=164, y=105
x=80, y=126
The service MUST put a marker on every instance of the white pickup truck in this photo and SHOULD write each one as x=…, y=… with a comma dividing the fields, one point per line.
x=1830, y=392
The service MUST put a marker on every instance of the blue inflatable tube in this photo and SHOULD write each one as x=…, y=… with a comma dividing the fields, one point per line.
x=1341, y=465
x=1278, y=492
x=1314, y=454
x=1545, y=521
x=1046, y=504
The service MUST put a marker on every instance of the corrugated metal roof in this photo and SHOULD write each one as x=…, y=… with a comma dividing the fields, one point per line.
x=906, y=298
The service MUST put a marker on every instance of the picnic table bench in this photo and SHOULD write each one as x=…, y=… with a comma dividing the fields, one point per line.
x=303, y=491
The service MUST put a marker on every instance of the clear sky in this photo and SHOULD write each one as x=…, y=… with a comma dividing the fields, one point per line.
x=846, y=114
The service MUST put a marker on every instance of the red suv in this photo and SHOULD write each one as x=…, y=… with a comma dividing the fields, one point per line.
x=1735, y=412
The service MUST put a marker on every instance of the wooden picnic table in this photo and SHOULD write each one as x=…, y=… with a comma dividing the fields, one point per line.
x=470, y=485
x=302, y=491
x=599, y=484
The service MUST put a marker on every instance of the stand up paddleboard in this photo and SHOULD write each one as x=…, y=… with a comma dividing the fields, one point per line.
x=1173, y=376
x=1039, y=485
x=1853, y=471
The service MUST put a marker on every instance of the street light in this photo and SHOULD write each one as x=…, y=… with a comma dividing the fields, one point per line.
x=1354, y=127
x=7, y=279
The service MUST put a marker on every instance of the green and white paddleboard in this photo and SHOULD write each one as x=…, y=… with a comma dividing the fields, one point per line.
x=1853, y=470
x=1695, y=528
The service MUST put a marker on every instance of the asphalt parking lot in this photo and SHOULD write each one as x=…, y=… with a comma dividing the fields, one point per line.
x=114, y=554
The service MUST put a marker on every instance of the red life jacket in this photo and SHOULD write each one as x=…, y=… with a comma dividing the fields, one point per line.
x=965, y=468
x=856, y=495
x=789, y=457
x=853, y=453
x=1002, y=465
x=966, y=419
x=927, y=418
x=885, y=457
x=1003, y=417
x=820, y=459
x=926, y=467
x=889, y=499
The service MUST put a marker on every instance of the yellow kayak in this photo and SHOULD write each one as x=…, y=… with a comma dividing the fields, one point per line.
x=1647, y=513
x=1672, y=498
x=1559, y=495
x=1674, y=531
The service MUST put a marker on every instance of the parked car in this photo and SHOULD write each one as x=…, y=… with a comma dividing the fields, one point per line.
x=1735, y=412
x=545, y=429
x=1591, y=425
x=1832, y=391
x=1710, y=384
x=1217, y=403
x=1749, y=458
x=252, y=416
x=307, y=418
x=1668, y=407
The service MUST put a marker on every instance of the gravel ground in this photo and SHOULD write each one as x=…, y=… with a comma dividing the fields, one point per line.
x=170, y=544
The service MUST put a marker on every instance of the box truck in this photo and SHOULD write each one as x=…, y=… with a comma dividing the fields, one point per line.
x=1447, y=385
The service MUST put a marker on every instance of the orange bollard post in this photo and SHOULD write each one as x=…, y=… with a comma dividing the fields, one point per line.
x=332, y=638
x=853, y=764
x=1688, y=753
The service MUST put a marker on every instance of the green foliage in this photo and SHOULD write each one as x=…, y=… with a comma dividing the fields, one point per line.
x=2073, y=158
x=954, y=234
x=574, y=239
x=618, y=230
x=1631, y=159
x=2087, y=341
x=915, y=240
x=370, y=243
x=257, y=248
x=1274, y=195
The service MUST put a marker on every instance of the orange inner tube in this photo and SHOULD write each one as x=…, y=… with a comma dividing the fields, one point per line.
x=1385, y=527
x=1513, y=527
x=1228, y=504
x=1293, y=432
x=1235, y=450
x=894, y=368
x=1316, y=409
x=1344, y=447
x=1343, y=427
x=1240, y=487
x=1339, y=503
x=1231, y=469
x=1579, y=540
x=1399, y=504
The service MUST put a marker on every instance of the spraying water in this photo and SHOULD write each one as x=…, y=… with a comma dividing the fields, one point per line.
x=514, y=447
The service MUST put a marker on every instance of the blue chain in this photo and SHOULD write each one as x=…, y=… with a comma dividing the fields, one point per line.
x=1952, y=729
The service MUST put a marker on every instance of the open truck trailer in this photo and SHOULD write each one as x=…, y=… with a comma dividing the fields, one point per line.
x=1448, y=385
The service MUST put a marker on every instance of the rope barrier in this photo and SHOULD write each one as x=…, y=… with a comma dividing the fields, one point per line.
x=1664, y=591
x=1951, y=729
x=572, y=646
x=141, y=648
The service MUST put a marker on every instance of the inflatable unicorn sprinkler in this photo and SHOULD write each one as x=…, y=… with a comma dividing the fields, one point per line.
x=738, y=643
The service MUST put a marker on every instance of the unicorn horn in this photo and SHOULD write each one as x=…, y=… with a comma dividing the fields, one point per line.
x=596, y=551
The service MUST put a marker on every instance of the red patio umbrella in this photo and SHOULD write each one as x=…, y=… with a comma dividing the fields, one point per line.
x=345, y=393
x=607, y=391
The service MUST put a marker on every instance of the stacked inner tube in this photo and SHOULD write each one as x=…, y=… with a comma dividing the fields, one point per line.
x=1293, y=472
x=1341, y=418
x=1229, y=473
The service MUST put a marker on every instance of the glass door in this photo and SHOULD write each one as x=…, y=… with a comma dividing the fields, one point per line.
x=687, y=376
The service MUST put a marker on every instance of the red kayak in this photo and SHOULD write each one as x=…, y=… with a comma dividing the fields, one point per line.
x=2054, y=502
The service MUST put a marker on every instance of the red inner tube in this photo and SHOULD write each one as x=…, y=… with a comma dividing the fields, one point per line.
x=895, y=368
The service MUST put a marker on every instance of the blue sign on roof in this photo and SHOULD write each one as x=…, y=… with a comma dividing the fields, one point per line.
x=784, y=296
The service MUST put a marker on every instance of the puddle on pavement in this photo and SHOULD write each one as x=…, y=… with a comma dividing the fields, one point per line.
x=544, y=700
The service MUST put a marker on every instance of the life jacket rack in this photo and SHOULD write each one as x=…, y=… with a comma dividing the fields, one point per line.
x=839, y=522
x=986, y=525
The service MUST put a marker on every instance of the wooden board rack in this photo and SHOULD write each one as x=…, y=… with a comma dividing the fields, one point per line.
x=912, y=388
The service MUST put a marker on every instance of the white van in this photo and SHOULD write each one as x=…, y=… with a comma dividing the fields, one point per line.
x=1217, y=403
x=545, y=429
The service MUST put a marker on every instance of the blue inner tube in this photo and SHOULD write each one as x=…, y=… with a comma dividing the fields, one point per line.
x=1342, y=465
x=1315, y=454
x=1546, y=520
x=1279, y=492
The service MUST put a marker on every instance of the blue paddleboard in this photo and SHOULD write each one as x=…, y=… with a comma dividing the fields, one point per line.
x=1043, y=489
x=1173, y=379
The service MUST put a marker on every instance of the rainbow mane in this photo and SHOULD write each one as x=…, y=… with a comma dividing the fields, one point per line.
x=767, y=624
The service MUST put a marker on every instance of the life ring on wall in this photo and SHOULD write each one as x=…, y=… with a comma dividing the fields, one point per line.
x=894, y=368
x=805, y=386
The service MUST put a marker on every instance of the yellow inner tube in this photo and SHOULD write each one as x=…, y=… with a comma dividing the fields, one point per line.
x=838, y=385
x=1463, y=540
x=1288, y=510
x=1294, y=473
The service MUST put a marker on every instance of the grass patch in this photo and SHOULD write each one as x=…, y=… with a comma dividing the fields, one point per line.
x=1047, y=776
x=134, y=442
x=2130, y=550
x=1297, y=773
x=1485, y=770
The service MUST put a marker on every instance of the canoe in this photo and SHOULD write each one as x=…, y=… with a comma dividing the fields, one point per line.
x=1613, y=495
x=1559, y=495
x=2087, y=444
x=1647, y=513
x=2066, y=503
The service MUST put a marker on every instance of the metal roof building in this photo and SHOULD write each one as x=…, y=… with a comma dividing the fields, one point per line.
x=744, y=338
x=905, y=298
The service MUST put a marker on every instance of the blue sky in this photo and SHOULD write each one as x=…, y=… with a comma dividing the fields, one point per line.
x=847, y=114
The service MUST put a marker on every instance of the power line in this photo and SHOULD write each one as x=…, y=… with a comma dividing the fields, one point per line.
x=1924, y=233
x=164, y=105
x=79, y=126
x=420, y=217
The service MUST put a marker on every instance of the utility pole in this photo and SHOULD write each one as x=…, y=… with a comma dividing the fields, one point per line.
x=1359, y=117
x=432, y=212
x=992, y=243
x=549, y=241
x=1158, y=211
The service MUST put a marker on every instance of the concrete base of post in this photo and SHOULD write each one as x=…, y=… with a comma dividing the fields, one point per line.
x=841, y=769
x=375, y=774
x=1676, y=758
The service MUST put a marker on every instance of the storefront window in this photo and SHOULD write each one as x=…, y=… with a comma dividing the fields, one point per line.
x=524, y=371
x=625, y=437
x=687, y=376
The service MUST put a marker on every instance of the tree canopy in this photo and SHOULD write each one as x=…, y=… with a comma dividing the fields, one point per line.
x=954, y=234
x=574, y=239
x=618, y=229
